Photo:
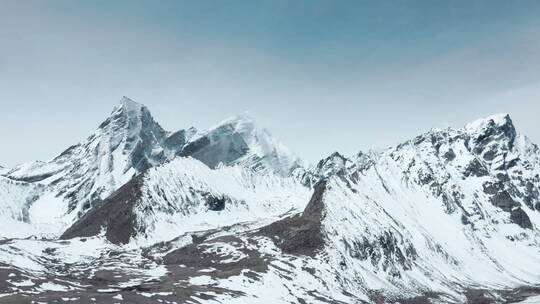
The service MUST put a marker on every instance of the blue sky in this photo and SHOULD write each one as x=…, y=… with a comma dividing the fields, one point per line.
x=321, y=75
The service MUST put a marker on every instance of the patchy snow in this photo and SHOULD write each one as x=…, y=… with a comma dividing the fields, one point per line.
x=531, y=300
x=202, y=280
x=27, y=282
x=50, y=286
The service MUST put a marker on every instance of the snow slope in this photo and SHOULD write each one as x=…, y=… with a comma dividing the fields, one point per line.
x=449, y=209
x=16, y=199
x=185, y=195
x=238, y=141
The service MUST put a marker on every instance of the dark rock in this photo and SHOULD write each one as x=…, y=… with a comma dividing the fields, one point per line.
x=489, y=155
x=492, y=188
x=194, y=146
x=475, y=168
x=503, y=177
x=449, y=155
x=300, y=234
x=114, y=214
x=504, y=201
x=465, y=220
x=512, y=163
x=176, y=140
x=521, y=218
x=225, y=148
x=215, y=203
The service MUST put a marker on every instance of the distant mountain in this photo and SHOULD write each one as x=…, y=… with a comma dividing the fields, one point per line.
x=239, y=141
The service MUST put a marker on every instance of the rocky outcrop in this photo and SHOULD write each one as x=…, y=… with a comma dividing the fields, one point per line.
x=301, y=234
x=114, y=216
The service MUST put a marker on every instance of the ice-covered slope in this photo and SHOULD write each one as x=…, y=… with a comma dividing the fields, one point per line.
x=16, y=199
x=238, y=141
x=186, y=195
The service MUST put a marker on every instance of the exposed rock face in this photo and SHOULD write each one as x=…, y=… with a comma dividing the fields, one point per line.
x=521, y=218
x=115, y=216
x=301, y=234
x=335, y=164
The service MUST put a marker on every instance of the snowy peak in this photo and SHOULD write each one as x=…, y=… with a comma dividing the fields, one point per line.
x=132, y=123
x=493, y=136
x=335, y=164
x=496, y=121
x=130, y=141
x=239, y=141
x=243, y=123
x=130, y=104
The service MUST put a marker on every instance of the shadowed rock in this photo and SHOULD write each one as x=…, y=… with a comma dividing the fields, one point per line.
x=114, y=214
x=300, y=234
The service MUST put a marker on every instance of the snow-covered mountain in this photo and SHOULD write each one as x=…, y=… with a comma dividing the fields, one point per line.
x=129, y=142
x=438, y=214
x=125, y=144
x=229, y=215
x=186, y=195
x=238, y=141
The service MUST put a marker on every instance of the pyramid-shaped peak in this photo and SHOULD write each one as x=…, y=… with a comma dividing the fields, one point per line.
x=131, y=117
x=128, y=102
x=128, y=105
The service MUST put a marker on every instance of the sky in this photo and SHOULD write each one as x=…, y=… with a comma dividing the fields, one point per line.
x=321, y=75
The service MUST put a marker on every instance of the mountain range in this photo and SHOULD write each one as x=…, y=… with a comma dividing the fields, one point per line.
x=138, y=214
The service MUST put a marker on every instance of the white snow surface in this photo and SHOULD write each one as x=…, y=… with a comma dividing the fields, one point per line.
x=175, y=197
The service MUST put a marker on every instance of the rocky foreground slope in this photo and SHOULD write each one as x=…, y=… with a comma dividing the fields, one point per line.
x=228, y=215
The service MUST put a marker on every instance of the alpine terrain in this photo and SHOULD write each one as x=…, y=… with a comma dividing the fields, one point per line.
x=138, y=214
